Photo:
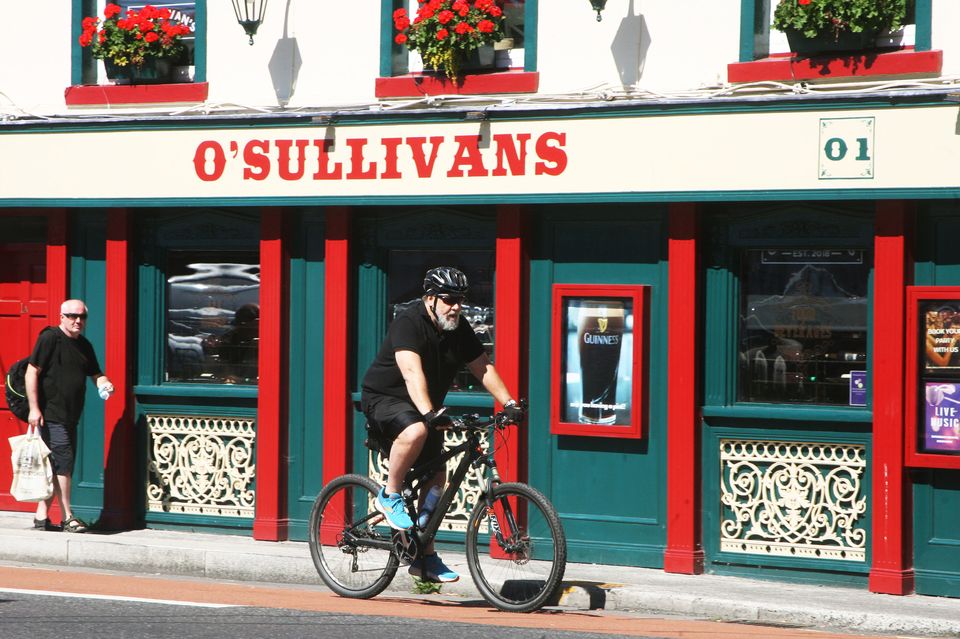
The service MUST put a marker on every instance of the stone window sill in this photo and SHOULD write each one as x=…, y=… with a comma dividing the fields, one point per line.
x=791, y=68
x=419, y=84
x=112, y=95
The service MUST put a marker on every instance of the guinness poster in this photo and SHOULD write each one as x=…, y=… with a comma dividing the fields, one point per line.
x=598, y=360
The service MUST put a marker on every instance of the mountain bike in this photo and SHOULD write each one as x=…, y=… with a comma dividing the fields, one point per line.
x=515, y=546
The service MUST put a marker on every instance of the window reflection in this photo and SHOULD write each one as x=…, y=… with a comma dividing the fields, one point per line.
x=803, y=324
x=213, y=317
x=406, y=270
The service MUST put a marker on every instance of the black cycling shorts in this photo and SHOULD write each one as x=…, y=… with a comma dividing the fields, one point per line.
x=392, y=415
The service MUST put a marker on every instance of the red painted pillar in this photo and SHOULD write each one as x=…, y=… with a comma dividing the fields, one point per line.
x=511, y=312
x=684, y=553
x=337, y=407
x=892, y=570
x=57, y=269
x=270, y=521
x=119, y=442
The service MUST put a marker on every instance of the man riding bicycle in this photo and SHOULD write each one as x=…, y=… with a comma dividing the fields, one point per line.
x=404, y=388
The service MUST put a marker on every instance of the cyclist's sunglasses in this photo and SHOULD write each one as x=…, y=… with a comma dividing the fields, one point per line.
x=74, y=316
x=452, y=300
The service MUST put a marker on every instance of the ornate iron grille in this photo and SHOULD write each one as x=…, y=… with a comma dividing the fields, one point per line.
x=201, y=465
x=794, y=499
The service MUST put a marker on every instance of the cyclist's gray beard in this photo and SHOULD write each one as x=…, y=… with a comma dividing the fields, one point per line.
x=448, y=324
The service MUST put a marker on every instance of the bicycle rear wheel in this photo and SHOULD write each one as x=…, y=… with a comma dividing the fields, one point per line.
x=344, y=526
x=522, y=570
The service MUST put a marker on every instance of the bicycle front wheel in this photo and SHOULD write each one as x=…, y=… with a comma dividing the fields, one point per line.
x=349, y=540
x=518, y=562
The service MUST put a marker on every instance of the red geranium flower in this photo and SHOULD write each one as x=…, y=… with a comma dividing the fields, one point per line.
x=400, y=39
x=442, y=34
x=485, y=26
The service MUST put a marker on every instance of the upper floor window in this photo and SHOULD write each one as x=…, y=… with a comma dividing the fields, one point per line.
x=769, y=54
x=187, y=65
x=508, y=53
x=513, y=56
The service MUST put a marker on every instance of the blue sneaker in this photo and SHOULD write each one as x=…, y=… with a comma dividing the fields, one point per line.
x=393, y=509
x=432, y=568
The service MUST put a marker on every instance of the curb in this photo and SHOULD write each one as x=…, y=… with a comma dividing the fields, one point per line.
x=649, y=592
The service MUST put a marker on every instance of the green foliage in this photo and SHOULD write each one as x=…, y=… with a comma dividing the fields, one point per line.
x=421, y=587
x=821, y=17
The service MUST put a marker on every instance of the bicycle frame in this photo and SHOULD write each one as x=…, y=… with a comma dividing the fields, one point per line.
x=474, y=456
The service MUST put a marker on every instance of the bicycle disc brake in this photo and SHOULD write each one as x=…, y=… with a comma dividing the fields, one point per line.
x=406, y=546
x=518, y=546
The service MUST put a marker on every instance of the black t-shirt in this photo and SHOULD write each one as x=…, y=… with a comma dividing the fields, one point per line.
x=442, y=354
x=65, y=364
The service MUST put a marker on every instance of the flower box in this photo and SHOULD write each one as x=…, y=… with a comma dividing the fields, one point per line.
x=827, y=43
x=152, y=71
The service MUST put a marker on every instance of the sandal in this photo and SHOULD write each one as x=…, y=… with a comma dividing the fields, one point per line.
x=41, y=524
x=74, y=525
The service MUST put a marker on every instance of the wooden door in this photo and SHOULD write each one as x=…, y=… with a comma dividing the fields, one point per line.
x=24, y=294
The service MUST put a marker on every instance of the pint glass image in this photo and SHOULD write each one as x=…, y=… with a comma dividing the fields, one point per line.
x=599, y=339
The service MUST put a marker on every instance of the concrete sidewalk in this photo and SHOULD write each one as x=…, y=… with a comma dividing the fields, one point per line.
x=587, y=586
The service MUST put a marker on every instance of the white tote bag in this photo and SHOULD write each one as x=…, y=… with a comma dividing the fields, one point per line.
x=32, y=473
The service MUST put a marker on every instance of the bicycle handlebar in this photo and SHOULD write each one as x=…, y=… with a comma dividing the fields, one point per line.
x=474, y=422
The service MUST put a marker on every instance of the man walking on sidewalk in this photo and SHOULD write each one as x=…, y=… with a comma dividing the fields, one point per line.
x=55, y=379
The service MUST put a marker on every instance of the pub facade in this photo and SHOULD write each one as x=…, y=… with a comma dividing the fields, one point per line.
x=761, y=242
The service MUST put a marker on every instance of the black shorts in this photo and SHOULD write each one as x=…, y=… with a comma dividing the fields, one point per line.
x=62, y=442
x=393, y=415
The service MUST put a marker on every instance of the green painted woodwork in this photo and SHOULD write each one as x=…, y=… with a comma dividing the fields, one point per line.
x=305, y=446
x=156, y=234
x=754, y=30
x=777, y=568
x=726, y=231
x=610, y=493
x=936, y=492
x=88, y=277
x=936, y=533
x=923, y=17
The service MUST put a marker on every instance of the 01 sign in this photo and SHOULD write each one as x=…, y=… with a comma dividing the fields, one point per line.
x=846, y=148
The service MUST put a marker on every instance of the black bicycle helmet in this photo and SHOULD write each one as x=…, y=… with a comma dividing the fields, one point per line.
x=445, y=280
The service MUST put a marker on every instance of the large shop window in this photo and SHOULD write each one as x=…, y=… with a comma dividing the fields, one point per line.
x=212, y=317
x=803, y=325
x=406, y=270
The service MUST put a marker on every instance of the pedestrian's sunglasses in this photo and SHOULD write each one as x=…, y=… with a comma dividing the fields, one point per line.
x=452, y=300
x=74, y=316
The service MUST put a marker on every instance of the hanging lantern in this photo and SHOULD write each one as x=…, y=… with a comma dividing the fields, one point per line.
x=598, y=6
x=249, y=14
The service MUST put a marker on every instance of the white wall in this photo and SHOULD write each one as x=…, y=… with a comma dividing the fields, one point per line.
x=308, y=56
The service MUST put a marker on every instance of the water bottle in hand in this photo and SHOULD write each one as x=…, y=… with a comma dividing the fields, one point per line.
x=105, y=391
x=428, y=505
